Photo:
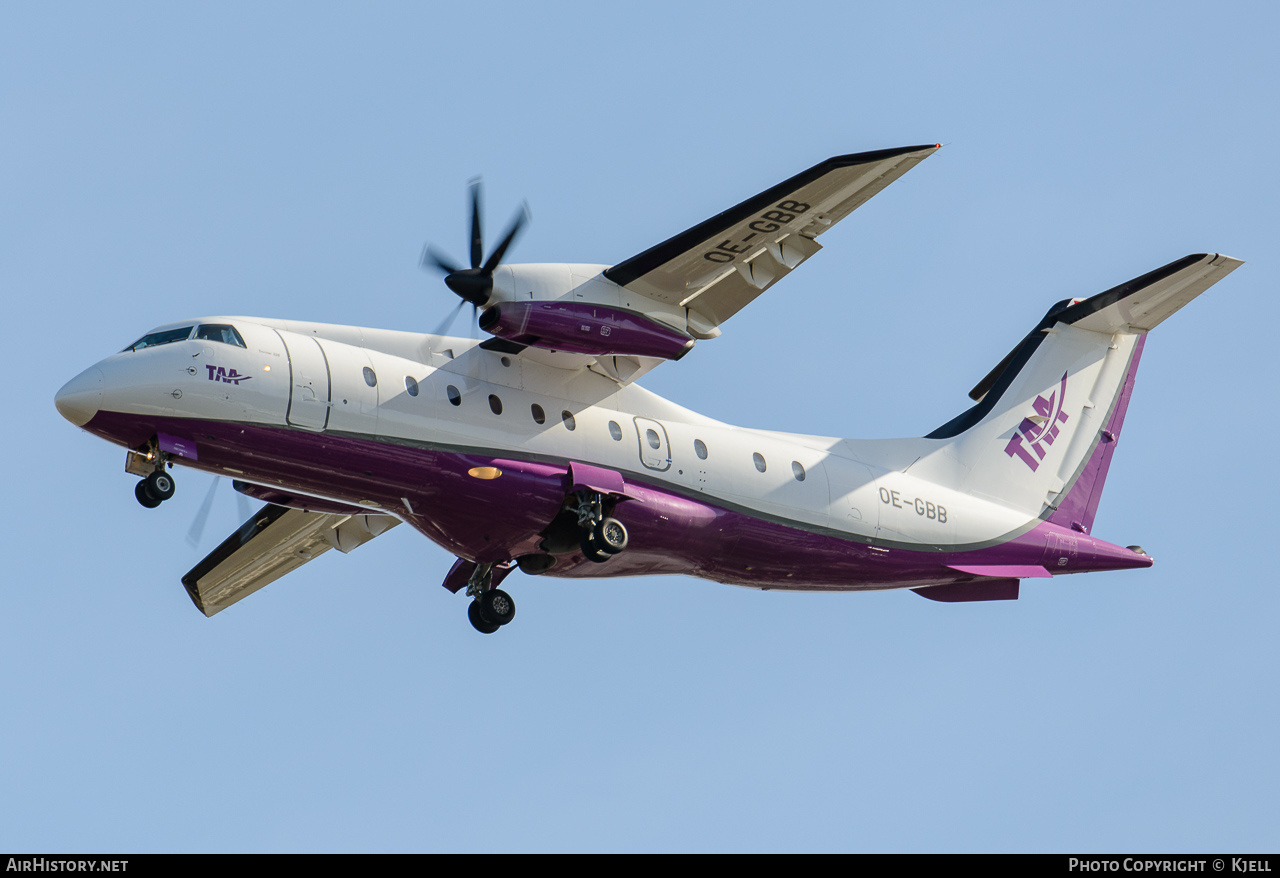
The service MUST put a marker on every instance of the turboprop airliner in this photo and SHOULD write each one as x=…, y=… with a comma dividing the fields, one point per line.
x=536, y=449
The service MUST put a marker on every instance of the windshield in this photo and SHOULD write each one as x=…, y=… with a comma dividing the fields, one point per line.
x=220, y=332
x=163, y=337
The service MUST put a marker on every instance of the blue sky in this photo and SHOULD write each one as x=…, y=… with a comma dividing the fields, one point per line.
x=290, y=161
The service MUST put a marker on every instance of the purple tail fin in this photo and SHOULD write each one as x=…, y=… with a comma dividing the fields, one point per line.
x=1078, y=508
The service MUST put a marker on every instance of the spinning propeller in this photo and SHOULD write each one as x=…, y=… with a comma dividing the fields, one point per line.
x=196, y=532
x=474, y=284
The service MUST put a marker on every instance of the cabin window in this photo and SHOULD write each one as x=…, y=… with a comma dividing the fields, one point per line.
x=615, y=431
x=411, y=385
x=539, y=416
x=167, y=336
x=651, y=436
x=495, y=404
x=700, y=449
x=370, y=378
x=220, y=332
x=569, y=422
x=455, y=398
x=797, y=470
x=759, y=460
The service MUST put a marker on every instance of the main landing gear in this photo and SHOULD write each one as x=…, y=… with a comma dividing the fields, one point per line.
x=601, y=537
x=583, y=523
x=152, y=464
x=491, y=608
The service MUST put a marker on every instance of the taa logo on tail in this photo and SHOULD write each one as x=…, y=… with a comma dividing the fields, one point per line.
x=1036, y=432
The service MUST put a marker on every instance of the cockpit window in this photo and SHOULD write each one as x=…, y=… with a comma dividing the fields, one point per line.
x=163, y=337
x=220, y=332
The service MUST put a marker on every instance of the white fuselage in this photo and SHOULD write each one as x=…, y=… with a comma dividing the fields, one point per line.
x=317, y=377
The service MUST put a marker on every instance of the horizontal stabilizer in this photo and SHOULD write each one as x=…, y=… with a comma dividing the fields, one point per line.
x=1138, y=305
x=1144, y=302
x=270, y=544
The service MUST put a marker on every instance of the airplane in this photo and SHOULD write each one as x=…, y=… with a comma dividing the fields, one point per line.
x=536, y=449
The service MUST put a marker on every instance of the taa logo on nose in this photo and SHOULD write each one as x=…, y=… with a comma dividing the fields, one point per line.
x=227, y=376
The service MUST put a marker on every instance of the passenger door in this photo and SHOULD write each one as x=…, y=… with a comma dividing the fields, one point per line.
x=655, y=448
x=309, y=385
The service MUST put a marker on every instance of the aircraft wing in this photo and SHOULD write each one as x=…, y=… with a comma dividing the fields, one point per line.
x=720, y=265
x=273, y=542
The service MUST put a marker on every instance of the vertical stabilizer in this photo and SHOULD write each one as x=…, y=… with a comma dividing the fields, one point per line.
x=1041, y=437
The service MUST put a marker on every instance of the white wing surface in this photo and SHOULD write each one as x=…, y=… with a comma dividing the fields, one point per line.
x=719, y=266
x=273, y=542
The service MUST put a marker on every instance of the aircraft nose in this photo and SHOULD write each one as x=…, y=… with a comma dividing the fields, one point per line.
x=81, y=397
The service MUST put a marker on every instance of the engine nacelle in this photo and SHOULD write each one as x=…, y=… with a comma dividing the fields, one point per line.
x=585, y=328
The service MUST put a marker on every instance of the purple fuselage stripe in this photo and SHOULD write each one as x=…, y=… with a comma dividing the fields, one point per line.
x=495, y=520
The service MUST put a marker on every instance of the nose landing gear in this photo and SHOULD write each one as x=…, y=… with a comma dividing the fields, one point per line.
x=152, y=464
x=144, y=496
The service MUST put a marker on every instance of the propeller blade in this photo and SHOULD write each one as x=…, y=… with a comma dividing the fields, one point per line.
x=477, y=240
x=443, y=328
x=245, y=507
x=431, y=258
x=202, y=515
x=474, y=284
x=516, y=225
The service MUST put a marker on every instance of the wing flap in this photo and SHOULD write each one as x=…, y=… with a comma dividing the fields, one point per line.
x=272, y=543
x=720, y=265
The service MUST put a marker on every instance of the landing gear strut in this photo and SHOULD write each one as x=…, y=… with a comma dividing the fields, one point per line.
x=582, y=523
x=491, y=608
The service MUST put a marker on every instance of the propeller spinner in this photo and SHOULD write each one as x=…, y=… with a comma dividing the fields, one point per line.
x=475, y=284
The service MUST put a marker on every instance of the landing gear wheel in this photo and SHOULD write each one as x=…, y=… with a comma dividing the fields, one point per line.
x=610, y=537
x=496, y=606
x=144, y=496
x=477, y=621
x=160, y=485
x=589, y=549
